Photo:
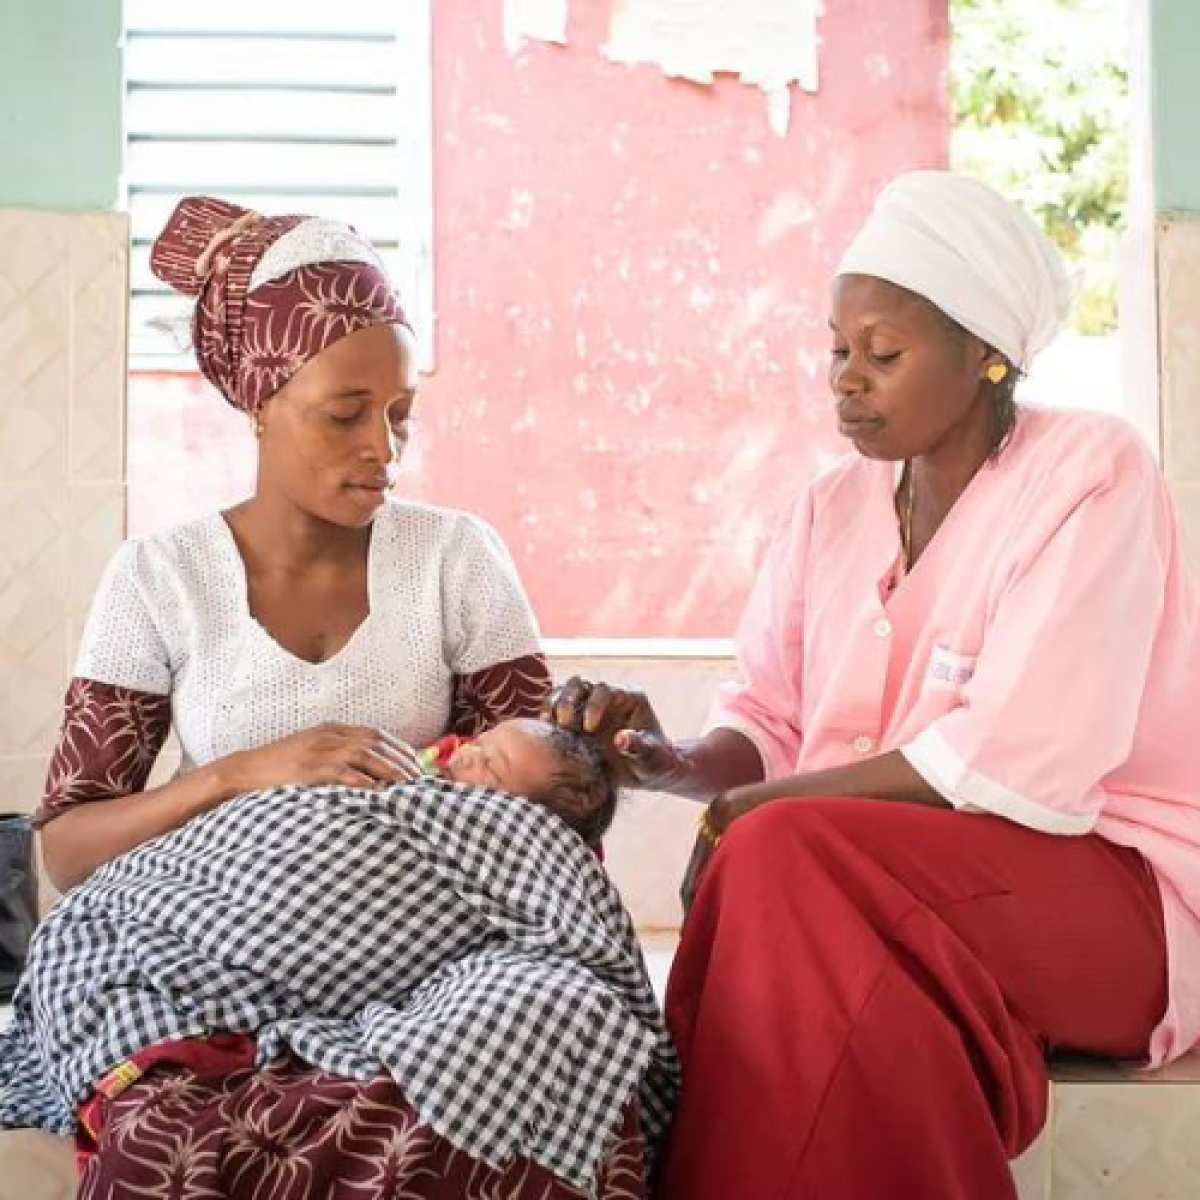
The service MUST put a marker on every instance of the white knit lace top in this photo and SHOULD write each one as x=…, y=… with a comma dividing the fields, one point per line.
x=171, y=618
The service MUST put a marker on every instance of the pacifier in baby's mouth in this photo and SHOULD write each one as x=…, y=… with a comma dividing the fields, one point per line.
x=428, y=760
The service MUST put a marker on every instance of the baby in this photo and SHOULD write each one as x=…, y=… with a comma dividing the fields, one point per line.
x=563, y=771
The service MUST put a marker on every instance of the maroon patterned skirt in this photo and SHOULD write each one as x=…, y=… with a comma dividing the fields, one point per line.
x=198, y=1123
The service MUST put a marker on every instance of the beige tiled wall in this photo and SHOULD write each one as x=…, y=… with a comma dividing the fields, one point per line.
x=1179, y=364
x=63, y=287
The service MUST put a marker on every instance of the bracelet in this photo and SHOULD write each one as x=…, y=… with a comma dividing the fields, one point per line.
x=707, y=830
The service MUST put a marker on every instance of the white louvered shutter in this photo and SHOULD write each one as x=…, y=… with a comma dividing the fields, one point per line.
x=283, y=106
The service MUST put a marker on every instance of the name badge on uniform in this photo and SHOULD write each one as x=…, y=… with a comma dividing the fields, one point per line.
x=950, y=671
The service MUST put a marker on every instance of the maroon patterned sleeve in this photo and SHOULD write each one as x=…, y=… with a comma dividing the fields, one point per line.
x=109, y=740
x=484, y=698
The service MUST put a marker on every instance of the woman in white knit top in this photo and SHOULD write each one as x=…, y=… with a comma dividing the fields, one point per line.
x=314, y=632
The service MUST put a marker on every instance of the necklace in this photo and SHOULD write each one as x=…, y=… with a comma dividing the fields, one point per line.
x=906, y=517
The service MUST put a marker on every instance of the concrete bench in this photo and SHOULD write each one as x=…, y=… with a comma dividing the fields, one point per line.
x=36, y=1166
x=1116, y=1133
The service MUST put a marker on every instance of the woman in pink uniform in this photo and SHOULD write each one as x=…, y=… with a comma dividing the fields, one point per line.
x=954, y=803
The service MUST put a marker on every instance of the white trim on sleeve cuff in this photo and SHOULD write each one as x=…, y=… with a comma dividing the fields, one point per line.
x=931, y=756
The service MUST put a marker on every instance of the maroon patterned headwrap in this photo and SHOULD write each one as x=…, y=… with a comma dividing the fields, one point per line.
x=252, y=335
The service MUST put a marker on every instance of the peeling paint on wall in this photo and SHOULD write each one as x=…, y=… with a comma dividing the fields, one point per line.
x=632, y=293
x=542, y=20
x=768, y=43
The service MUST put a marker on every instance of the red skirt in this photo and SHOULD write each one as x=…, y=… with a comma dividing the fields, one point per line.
x=195, y=1120
x=865, y=994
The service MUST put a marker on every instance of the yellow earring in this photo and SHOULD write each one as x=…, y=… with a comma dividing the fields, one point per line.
x=997, y=373
x=257, y=425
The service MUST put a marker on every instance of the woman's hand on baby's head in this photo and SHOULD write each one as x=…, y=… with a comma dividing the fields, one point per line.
x=647, y=760
x=354, y=755
x=639, y=753
x=586, y=707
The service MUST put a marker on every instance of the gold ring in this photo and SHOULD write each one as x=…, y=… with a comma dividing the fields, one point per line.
x=707, y=829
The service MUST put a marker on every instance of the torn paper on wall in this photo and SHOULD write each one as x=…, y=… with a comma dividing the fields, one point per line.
x=544, y=20
x=769, y=43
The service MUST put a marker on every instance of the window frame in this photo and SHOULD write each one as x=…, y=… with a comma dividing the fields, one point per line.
x=408, y=28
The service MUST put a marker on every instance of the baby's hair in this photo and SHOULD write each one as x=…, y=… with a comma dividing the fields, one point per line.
x=585, y=773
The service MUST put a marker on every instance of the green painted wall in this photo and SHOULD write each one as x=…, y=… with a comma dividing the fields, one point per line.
x=60, y=103
x=1175, y=91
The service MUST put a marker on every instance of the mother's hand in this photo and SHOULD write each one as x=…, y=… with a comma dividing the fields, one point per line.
x=638, y=751
x=354, y=755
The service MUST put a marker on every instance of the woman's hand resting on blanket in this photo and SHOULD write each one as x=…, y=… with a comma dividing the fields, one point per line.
x=354, y=755
x=640, y=754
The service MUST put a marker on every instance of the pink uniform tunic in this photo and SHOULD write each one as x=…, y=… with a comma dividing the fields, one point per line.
x=1041, y=661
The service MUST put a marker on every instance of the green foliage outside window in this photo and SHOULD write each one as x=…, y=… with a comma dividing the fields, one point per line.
x=1040, y=92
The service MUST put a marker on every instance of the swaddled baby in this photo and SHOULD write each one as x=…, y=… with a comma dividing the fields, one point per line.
x=560, y=770
x=366, y=929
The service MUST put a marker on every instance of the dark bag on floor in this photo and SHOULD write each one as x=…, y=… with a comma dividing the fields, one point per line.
x=18, y=899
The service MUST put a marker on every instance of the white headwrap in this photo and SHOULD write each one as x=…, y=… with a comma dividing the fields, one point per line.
x=965, y=248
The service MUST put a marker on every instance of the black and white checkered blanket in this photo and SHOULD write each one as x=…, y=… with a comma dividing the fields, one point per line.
x=465, y=941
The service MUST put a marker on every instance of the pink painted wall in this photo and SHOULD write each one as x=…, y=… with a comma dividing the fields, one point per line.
x=631, y=283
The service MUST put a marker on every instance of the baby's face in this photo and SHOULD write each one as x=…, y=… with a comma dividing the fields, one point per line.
x=514, y=757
